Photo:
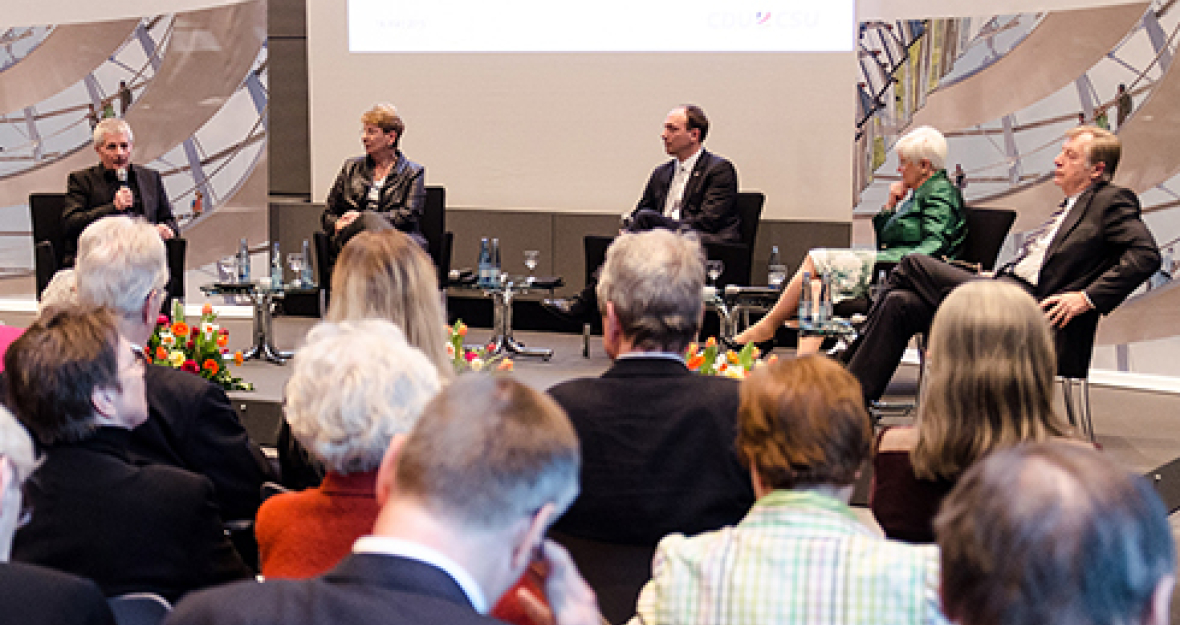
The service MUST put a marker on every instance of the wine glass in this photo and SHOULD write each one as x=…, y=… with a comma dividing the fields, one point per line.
x=530, y=261
x=713, y=269
x=297, y=262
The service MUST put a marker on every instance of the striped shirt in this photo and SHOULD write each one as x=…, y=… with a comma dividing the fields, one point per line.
x=798, y=558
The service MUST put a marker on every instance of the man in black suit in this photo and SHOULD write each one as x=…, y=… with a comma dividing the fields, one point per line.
x=1082, y=263
x=121, y=265
x=78, y=387
x=696, y=191
x=658, y=451
x=114, y=187
x=465, y=500
x=33, y=595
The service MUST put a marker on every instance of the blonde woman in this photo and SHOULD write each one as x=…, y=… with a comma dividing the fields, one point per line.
x=989, y=385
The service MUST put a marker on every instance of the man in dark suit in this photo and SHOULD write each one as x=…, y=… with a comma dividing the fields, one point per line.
x=33, y=595
x=1082, y=263
x=78, y=387
x=465, y=500
x=658, y=451
x=696, y=191
x=115, y=187
x=192, y=424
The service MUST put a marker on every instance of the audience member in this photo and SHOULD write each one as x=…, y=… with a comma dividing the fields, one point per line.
x=32, y=595
x=115, y=187
x=79, y=388
x=1082, y=263
x=988, y=384
x=465, y=501
x=657, y=439
x=932, y=222
x=696, y=190
x=192, y=425
x=1054, y=534
x=800, y=556
x=355, y=386
x=380, y=190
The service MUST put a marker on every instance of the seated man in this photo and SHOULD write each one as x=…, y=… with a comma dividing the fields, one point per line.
x=192, y=425
x=115, y=187
x=800, y=556
x=657, y=439
x=78, y=387
x=696, y=191
x=1083, y=262
x=465, y=501
x=1054, y=534
x=32, y=595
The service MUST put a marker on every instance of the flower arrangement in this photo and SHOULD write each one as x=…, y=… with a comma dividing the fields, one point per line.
x=473, y=358
x=709, y=360
x=199, y=349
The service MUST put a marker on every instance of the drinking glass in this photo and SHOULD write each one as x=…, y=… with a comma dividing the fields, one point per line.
x=297, y=262
x=530, y=261
x=713, y=269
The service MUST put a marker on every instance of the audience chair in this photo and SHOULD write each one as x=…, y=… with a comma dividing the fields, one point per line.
x=139, y=608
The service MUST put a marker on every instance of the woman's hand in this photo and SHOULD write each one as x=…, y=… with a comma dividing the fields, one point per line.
x=897, y=193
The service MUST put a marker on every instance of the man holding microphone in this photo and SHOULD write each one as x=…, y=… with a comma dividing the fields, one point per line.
x=115, y=187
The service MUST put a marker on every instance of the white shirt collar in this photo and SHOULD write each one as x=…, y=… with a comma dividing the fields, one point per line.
x=664, y=355
x=690, y=163
x=385, y=545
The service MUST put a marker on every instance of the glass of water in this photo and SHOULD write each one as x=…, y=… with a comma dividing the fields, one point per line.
x=530, y=261
x=297, y=262
x=713, y=269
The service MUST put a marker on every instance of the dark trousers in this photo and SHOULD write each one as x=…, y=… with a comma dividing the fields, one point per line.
x=368, y=221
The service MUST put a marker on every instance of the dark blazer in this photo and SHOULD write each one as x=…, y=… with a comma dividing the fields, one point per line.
x=33, y=595
x=192, y=425
x=363, y=588
x=402, y=199
x=709, y=203
x=658, y=452
x=90, y=195
x=129, y=528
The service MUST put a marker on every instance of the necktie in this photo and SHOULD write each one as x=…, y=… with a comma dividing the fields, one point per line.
x=1039, y=232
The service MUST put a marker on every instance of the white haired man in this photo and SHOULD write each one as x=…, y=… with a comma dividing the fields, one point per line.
x=115, y=187
x=193, y=426
x=465, y=499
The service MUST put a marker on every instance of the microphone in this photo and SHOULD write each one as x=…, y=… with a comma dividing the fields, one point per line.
x=121, y=174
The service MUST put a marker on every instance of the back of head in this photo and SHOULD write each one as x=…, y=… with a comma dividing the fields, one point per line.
x=354, y=385
x=386, y=275
x=1052, y=534
x=989, y=378
x=654, y=280
x=121, y=260
x=802, y=423
x=54, y=368
x=489, y=451
x=923, y=143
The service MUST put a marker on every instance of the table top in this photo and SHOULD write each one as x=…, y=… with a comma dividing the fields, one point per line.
x=254, y=287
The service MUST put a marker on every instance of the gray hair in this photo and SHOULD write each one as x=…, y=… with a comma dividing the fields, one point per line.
x=655, y=279
x=121, y=260
x=61, y=292
x=924, y=143
x=111, y=126
x=17, y=446
x=355, y=385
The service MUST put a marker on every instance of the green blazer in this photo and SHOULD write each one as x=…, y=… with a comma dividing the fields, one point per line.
x=931, y=222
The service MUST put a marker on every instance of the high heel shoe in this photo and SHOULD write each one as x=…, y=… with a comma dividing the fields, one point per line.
x=764, y=347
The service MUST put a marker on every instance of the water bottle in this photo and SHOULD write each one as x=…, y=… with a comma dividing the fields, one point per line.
x=243, y=262
x=495, y=273
x=483, y=277
x=305, y=270
x=776, y=271
x=823, y=303
x=276, y=266
x=805, y=302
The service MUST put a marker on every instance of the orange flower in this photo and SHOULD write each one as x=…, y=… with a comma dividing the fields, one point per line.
x=180, y=328
x=207, y=309
x=771, y=359
x=161, y=353
x=462, y=329
x=505, y=365
x=211, y=366
x=712, y=342
x=238, y=360
x=695, y=362
x=731, y=356
x=222, y=340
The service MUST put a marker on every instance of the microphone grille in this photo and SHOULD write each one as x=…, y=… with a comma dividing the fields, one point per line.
x=122, y=174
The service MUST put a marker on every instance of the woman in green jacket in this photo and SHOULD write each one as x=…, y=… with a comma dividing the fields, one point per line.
x=931, y=221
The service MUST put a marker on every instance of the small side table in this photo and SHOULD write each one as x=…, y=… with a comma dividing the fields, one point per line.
x=502, y=293
x=262, y=299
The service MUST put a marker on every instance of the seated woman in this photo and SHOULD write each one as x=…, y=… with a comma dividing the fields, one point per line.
x=990, y=370
x=355, y=386
x=930, y=222
x=380, y=190
x=800, y=555
x=79, y=389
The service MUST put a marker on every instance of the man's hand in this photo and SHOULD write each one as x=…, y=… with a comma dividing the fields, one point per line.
x=345, y=219
x=1061, y=309
x=165, y=232
x=571, y=601
x=124, y=199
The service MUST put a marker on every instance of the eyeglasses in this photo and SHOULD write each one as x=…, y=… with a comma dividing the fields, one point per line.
x=140, y=355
